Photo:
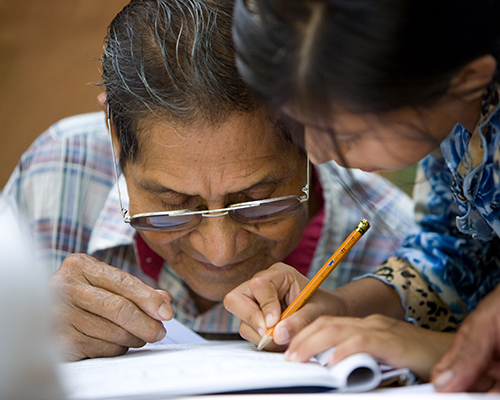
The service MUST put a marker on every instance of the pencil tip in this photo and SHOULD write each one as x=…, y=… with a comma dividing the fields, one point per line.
x=266, y=339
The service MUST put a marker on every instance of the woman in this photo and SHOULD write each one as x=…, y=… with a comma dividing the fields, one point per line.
x=381, y=85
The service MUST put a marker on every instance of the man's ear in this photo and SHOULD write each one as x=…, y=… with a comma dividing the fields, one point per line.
x=101, y=99
x=472, y=80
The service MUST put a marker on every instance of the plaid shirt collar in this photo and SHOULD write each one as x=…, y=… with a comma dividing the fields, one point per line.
x=110, y=230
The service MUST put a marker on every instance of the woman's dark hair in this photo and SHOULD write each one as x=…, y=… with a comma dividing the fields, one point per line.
x=366, y=55
x=175, y=60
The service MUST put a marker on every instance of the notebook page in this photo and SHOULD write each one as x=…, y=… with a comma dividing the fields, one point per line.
x=189, y=369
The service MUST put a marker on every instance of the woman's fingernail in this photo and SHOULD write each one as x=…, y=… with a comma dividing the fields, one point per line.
x=443, y=379
x=282, y=334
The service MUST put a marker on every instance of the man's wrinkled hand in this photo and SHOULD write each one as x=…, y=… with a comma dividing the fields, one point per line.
x=260, y=301
x=101, y=311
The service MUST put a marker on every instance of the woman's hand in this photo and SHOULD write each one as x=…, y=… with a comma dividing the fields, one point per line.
x=393, y=342
x=473, y=362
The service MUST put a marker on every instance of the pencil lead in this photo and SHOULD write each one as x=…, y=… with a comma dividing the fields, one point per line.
x=266, y=339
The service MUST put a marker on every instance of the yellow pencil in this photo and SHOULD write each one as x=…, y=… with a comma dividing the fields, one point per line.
x=319, y=278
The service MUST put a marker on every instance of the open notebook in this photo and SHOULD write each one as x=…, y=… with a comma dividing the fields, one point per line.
x=205, y=367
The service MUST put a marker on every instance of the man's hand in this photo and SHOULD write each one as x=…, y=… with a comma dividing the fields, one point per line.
x=473, y=362
x=260, y=301
x=101, y=311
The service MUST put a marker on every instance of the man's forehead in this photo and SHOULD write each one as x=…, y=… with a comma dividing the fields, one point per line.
x=188, y=166
x=207, y=164
x=195, y=184
x=210, y=183
x=245, y=138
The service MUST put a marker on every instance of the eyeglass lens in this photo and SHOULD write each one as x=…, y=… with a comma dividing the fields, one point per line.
x=267, y=212
x=166, y=222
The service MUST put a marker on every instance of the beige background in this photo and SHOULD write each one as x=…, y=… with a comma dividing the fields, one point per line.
x=48, y=51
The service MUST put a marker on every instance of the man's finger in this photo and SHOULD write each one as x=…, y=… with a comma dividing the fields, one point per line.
x=120, y=311
x=249, y=334
x=81, y=347
x=241, y=303
x=116, y=281
x=274, y=286
x=266, y=295
x=100, y=328
x=321, y=303
x=287, y=329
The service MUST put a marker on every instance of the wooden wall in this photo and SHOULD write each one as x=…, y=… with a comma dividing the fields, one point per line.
x=48, y=51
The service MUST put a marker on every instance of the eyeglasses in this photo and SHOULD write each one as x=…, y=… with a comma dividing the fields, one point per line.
x=248, y=213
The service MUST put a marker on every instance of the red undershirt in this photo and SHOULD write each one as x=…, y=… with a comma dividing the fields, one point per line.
x=300, y=258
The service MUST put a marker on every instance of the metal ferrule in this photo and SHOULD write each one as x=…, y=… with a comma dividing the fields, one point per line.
x=363, y=226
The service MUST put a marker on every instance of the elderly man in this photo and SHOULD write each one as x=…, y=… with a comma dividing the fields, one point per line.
x=209, y=189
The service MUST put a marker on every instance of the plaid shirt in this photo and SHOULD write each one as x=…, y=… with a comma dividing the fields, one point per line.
x=65, y=186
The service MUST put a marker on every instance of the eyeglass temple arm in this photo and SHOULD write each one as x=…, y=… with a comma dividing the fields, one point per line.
x=123, y=210
x=305, y=189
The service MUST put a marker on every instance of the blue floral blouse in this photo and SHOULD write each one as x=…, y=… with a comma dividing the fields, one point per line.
x=443, y=271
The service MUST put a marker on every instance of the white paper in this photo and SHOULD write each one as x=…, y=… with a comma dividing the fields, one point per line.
x=362, y=372
x=427, y=388
x=178, y=333
x=357, y=373
x=190, y=369
x=421, y=391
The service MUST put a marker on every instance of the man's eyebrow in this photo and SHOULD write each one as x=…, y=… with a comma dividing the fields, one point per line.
x=157, y=188
x=270, y=181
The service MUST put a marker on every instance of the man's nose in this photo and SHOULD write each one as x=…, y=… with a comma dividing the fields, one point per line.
x=219, y=239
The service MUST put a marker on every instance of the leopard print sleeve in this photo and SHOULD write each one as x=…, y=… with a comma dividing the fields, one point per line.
x=421, y=302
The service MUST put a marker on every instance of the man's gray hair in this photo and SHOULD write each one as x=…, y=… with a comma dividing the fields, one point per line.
x=173, y=59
